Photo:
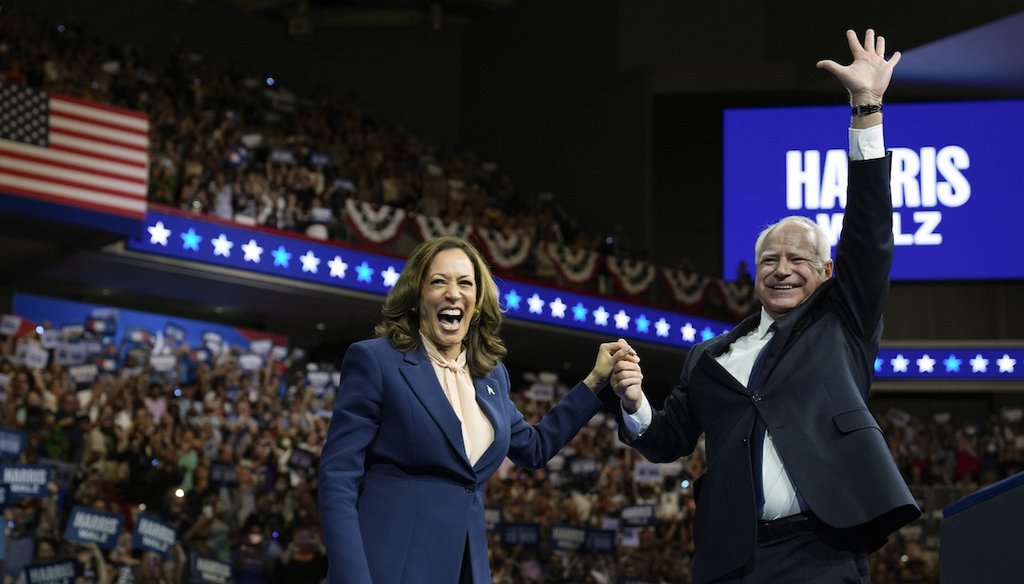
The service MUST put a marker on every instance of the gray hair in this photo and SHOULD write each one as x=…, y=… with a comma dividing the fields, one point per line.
x=822, y=248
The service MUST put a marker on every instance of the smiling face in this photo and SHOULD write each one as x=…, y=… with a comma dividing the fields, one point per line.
x=448, y=301
x=788, y=268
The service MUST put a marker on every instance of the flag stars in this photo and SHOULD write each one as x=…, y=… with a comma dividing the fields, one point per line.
x=601, y=316
x=252, y=251
x=536, y=304
x=643, y=325
x=689, y=333
x=899, y=363
x=310, y=263
x=952, y=364
x=661, y=327
x=390, y=277
x=338, y=267
x=281, y=256
x=878, y=364
x=926, y=364
x=158, y=234
x=579, y=312
x=979, y=364
x=557, y=308
x=222, y=246
x=706, y=334
x=512, y=300
x=364, y=273
x=190, y=239
x=1006, y=364
x=622, y=320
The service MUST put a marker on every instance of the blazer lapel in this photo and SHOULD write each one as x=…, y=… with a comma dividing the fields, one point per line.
x=419, y=374
x=719, y=345
x=487, y=395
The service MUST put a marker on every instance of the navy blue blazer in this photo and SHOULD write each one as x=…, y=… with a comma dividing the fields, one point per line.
x=399, y=500
x=812, y=393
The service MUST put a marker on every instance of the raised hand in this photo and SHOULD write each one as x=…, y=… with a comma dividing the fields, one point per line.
x=627, y=381
x=867, y=78
x=607, y=356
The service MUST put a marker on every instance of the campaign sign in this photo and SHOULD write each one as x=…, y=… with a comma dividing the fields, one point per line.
x=91, y=526
x=567, y=537
x=26, y=480
x=647, y=472
x=61, y=471
x=5, y=499
x=600, y=541
x=210, y=571
x=301, y=459
x=583, y=467
x=524, y=534
x=955, y=183
x=638, y=515
x=12, y=443
x=154, y=535
x=492, y=518
x=9, y=324
x=224, y=475
x=60, y=572
x=32, y=355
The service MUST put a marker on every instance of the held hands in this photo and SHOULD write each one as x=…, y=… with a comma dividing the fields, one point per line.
x=867, y=78
x=607, y=356
x=627, y=382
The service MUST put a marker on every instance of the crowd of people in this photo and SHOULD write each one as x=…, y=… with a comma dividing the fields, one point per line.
x=137, y=441
x=226, y=144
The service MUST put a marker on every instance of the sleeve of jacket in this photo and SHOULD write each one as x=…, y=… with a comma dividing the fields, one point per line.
x=532, y=445
x=353, y=427
x=864, y=252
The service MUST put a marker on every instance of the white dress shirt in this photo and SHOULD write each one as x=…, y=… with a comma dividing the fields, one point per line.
x=779, y=494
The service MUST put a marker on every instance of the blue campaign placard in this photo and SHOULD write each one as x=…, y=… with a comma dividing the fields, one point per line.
x=956, y=194
x=638, y=515
x=568, y=537
x=210, y=571
x=524, y=534
x=25, y=480
x=154, y=535
x=12, y=443
x=91, y=526
x=60, y=572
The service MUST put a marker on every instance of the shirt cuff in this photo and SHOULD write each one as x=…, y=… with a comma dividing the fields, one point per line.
x=867, y=143
x=638, y=422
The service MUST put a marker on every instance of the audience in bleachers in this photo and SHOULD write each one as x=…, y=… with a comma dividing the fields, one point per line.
x=226, y=456
x=229, y=145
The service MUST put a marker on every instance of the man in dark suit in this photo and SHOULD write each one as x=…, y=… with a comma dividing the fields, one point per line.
x=800, y=485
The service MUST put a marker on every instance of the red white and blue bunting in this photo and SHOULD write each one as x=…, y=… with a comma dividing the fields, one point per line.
x=575, y=265
x=505, y=250
x=374, y=223
x=686, y=287
x=633, y=276
x=431, y=227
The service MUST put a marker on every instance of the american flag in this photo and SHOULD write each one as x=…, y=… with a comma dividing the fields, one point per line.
x=73, y=152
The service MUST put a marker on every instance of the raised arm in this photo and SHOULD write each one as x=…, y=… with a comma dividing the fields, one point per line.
x=867, y=78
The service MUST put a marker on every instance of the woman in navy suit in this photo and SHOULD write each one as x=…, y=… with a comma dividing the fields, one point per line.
x=423, y=418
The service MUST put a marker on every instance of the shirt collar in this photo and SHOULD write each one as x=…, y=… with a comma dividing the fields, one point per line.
x=764, y=327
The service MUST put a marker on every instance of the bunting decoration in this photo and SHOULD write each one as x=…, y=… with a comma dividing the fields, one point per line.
x=633, y=276
x=739, y=296
x=575, y=265
x=376, y=224
x=686, y=287
x=505, y=250
x=430, y=227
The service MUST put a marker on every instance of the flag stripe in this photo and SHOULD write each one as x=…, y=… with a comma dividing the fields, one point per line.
x=97, y=132
x=102, y=114
x=73, y=178
x=56, y=191
x=73, y=161
x=92, y=147
x=70, y=151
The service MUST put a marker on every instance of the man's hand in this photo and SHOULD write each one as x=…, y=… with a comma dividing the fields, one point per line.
x=867, y=78
x=607, y=356
x=627, y=382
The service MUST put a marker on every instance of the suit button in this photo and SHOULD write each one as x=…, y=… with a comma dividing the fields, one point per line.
x=470, y=488
x=744, y=442
x=756, y=397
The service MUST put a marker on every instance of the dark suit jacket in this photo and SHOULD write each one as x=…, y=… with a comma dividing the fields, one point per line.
x=812, y=392
x=399, y=500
